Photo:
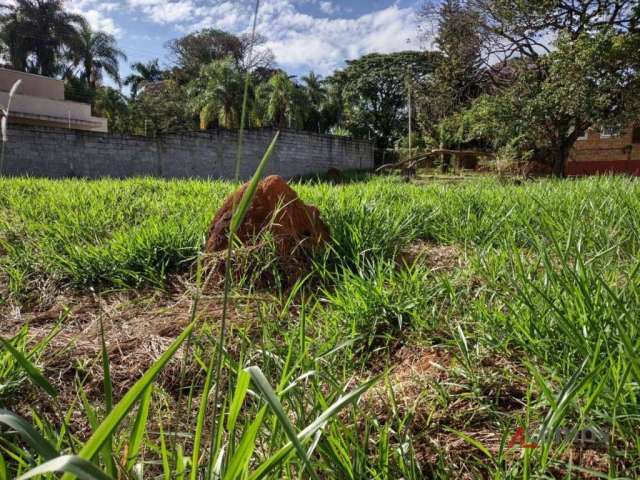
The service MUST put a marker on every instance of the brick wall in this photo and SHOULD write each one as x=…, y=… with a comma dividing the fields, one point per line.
x=601, y=154
x=59, y=153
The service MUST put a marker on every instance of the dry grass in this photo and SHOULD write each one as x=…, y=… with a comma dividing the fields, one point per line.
x=439, y=258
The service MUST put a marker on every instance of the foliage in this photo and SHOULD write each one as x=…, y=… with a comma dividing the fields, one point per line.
x=203, y=47
x=37, y=34
x=217, y=95
x=587, y=82
x=143, y=74
x=112, y=105
x=280, y=103
x=459, y=76
x=161, y=109
x=315, y=98
x=374, y=93
x=97, y=53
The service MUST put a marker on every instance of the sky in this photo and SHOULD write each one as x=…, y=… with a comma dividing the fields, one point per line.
x=304, y=35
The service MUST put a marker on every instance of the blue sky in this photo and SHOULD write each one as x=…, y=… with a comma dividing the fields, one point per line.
x=305, y=35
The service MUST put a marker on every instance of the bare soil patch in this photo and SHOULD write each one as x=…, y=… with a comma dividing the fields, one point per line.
x=444, y=258
x=138, y=328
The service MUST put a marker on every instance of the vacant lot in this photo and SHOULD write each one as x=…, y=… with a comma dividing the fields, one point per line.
x=490, y=315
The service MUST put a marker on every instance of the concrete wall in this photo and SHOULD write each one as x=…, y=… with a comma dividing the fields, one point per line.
x=59, y=153
x=33, y=85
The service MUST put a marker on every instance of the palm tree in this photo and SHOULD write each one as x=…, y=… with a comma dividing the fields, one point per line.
x=97, y=52
x=143, y=73
x=315, y=89
x=281, y=102
x=221, y=90
x=37, y=33
x=112, y=105
x=316, y=94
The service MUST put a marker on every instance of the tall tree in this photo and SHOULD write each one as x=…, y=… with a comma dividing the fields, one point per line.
x=200, y=48
x=143, y=73
x=459, y=77
x=97, y=53
x=593, y=64
x=591, y=81
x=218, y=94
x=374, y=92
x=280, y=103
x=316, y=95
x=112, y=105
x=37, y=33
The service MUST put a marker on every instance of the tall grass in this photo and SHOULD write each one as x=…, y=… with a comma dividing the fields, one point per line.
x=547, y=299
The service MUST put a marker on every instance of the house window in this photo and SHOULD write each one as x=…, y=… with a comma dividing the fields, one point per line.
x=635, y=136
x=584, y=136
x=609, y=132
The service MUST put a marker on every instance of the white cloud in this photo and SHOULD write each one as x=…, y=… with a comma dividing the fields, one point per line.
x=95, y=13
x=299, y=40
x=302, y=42
x=162, y=11
x=327, y=7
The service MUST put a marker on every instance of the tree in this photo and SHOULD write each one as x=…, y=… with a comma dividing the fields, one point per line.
x=217, y=95
x=200, y=48
x=280, y=103
x=316, y=95
x=522, y=29
x=112, y=105
x=374, y=92
x=97, y=53
x=143, y=73
x=161, y=109
x=37, y=33
x=459, y=77
x=587, y=81
x=562, y=87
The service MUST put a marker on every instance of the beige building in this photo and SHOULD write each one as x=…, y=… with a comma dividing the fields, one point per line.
x=40, y=101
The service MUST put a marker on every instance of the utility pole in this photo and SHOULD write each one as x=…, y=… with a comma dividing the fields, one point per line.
x=410, y=115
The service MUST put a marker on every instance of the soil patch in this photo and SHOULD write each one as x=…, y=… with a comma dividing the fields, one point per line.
x=436, y=257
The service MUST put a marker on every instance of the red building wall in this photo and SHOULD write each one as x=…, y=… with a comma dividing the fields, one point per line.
x=598, y=153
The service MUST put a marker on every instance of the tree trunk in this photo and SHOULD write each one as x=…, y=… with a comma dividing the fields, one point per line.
x=560, y=155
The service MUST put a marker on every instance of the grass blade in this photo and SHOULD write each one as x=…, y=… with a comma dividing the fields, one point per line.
x=138, y=432
x=319, y=423
x=244, y=204
x=240, y=460
x=269, y=394
x=239, y=395
x=30, y=368
x=29, y=434
x=202, y=412
x=70, y=464
x=120, y=411
x=107, y=450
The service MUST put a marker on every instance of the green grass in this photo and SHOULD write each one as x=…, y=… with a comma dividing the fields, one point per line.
x=538, y=326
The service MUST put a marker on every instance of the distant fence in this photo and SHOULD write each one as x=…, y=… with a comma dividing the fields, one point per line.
x=59, y=153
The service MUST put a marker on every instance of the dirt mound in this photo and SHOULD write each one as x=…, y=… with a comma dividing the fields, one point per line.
x=275, y=208
x=334, y=175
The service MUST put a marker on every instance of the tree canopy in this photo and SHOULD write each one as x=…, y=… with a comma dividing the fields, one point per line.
x=374, y=90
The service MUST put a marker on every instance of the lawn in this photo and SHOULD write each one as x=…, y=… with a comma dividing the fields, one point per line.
x=498, y=323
